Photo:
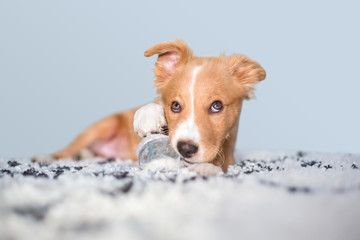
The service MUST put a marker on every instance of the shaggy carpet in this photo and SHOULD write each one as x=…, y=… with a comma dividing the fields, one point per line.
x=264, y=196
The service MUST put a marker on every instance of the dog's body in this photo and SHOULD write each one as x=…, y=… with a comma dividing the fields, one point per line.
x=199, y=102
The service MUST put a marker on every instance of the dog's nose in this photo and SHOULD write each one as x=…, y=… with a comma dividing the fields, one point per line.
x=187, y=149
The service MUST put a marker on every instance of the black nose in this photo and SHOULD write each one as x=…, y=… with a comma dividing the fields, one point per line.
x=187, y=149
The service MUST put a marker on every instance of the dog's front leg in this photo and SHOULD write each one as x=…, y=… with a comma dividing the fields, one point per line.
x=149, y=119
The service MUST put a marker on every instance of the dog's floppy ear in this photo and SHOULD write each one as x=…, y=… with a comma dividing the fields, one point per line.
x=246, y=72
x=170, y=56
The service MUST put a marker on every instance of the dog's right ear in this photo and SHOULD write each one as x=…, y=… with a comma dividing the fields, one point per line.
x=170, y=56
x=247, y=73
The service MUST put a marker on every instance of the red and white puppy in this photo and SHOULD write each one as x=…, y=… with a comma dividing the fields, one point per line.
x=199, y=101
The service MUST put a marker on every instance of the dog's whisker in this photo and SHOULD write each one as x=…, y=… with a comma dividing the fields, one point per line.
x=215, y=151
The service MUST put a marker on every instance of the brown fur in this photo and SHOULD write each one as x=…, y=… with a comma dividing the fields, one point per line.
x=117, y=127
x=226, y=79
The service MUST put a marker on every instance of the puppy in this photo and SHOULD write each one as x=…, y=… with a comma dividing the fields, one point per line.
x=199, y=103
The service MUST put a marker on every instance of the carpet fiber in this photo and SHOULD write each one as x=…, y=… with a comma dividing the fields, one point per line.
x=266, y=195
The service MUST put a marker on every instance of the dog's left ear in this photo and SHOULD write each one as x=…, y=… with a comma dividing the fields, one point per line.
x=171, y=55
x=246, y=72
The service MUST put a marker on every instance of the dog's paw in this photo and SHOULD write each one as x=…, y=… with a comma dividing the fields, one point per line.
x=205, y=169
x=83, y=154
x=149, y=119
x=43, y=158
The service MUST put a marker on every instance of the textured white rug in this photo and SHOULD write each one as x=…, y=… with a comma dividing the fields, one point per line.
x=264, y=196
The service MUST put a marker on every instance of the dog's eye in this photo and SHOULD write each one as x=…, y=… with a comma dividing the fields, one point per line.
x=216, y=107
x=175, y=107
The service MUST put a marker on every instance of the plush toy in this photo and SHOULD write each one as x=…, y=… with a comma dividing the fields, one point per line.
x=155, y=147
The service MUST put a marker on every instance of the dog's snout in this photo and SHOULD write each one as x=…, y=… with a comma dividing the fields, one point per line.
x=187, y=149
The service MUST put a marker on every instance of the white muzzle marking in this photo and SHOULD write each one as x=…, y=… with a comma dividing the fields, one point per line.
x=188, y=130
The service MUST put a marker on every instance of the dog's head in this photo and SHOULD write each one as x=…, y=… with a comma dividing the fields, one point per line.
x=202, y=97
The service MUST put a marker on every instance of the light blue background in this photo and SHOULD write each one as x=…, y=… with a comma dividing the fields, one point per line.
x=66, y=64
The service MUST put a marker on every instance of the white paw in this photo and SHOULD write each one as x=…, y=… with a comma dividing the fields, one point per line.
x=149, y=119
x=84, y=153
x=205, y=169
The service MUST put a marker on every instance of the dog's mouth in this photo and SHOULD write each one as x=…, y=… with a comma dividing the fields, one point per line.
x=190, y=162
x=185, y=160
